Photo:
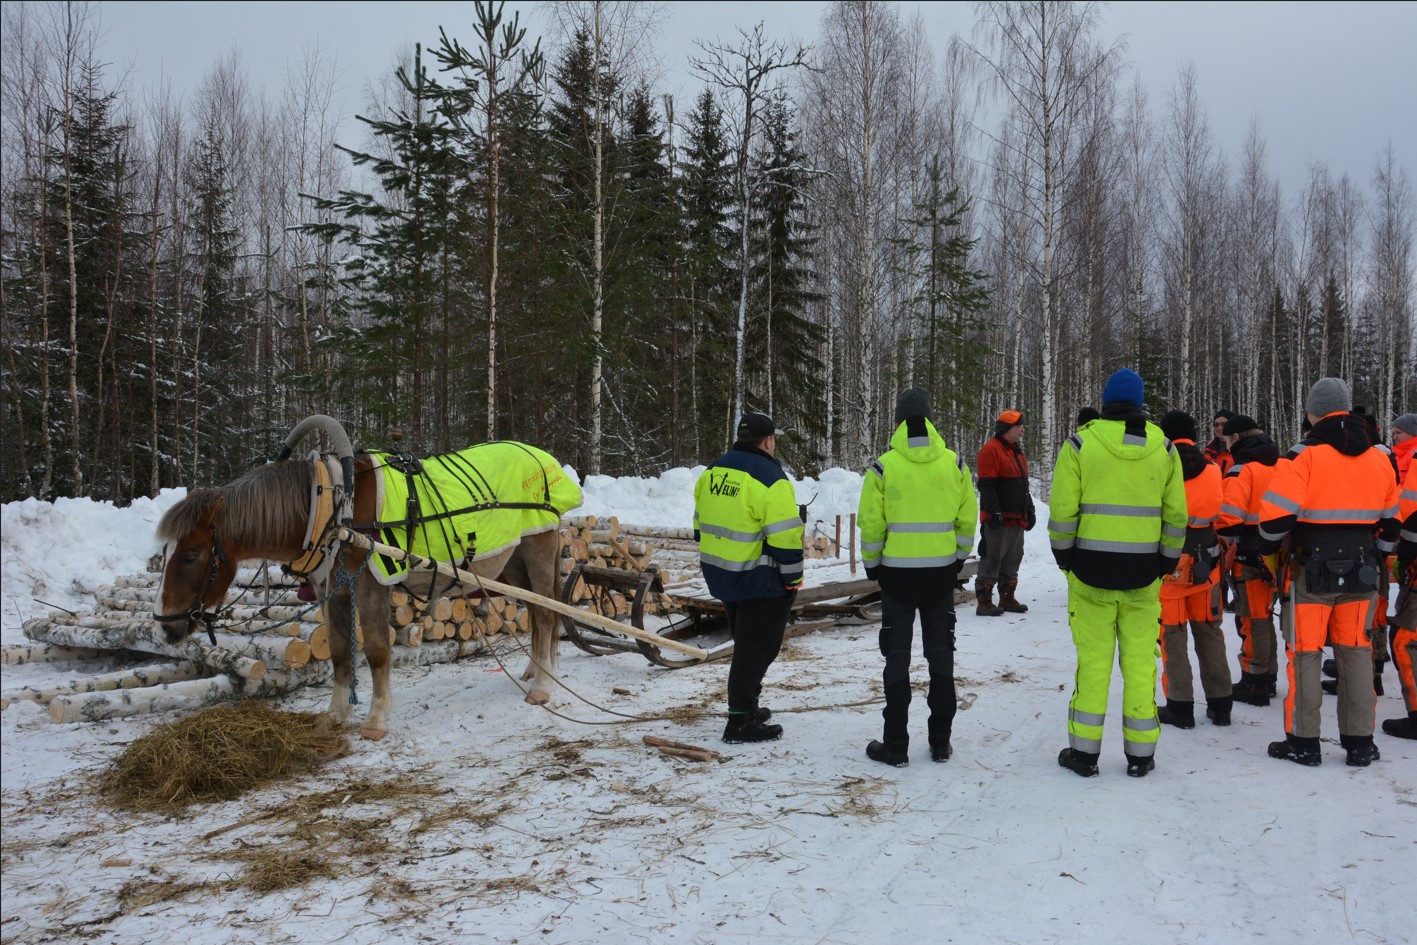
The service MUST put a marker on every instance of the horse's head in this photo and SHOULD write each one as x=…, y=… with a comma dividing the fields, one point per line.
x=197, y=570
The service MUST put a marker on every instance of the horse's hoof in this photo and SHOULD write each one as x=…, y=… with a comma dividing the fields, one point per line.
x=373, y=734
x=538, y=697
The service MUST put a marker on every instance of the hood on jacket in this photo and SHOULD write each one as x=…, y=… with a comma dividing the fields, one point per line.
x=1256, y=448
x=917, y=440
x=1345, y=432
x=1120, y=423
x=1193, y=461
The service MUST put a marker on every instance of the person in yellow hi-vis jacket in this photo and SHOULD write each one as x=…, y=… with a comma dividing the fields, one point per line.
x=749, y=528
x=1117, y=521
x=917, y=517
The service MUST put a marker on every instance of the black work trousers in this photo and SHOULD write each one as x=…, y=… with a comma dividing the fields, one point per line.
x=937, y=636
x=758, y=626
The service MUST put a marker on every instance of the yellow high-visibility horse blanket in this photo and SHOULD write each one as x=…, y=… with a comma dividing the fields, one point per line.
x=468, y=505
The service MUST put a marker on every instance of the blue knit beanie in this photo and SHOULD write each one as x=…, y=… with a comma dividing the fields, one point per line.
x=1124, y=387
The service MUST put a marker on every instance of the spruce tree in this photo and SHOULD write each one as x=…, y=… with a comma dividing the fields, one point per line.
x=786, y=377
x=706, y=279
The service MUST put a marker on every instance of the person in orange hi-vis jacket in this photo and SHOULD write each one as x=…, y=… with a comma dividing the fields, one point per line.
x=1404, y=621
x=1243, y=489
x=1191, y=593
x=1337, y=503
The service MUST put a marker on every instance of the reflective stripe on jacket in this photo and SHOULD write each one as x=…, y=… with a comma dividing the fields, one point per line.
x=1118, y=501
x=918, y=508
x=750, y=531
x=1407, y=511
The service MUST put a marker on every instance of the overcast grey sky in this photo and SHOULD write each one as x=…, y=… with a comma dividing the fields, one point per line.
x=1328, y=81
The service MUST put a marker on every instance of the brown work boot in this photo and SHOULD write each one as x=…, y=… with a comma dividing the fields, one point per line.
x=1007, y=601
x=984, y=593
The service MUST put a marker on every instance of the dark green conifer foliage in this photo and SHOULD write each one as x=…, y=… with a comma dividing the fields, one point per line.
x=785, y=374
x=706, y=276
x=953, y=297
x=404, y=243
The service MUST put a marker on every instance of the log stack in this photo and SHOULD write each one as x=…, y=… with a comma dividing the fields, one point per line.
x=607, y=543
x=270, y=643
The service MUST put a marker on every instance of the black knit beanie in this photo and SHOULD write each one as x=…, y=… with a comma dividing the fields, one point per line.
x=912, y=403
x=1178, y=425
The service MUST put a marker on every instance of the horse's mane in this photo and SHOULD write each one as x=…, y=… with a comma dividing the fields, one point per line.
x=261, y=507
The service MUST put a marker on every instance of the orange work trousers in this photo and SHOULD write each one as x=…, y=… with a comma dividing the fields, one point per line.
x=1341, y=620
x=1254, y=618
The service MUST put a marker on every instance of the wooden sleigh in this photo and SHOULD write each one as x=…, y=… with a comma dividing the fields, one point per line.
x=837, y=603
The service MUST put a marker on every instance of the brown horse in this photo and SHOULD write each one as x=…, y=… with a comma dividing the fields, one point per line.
x=264, y=515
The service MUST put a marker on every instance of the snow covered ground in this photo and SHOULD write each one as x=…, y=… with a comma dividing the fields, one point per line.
x=540, y=829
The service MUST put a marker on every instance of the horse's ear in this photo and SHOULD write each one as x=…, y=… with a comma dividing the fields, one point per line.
x=210, y=513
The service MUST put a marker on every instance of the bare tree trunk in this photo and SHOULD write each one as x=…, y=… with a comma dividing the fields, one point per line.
x=71, y=31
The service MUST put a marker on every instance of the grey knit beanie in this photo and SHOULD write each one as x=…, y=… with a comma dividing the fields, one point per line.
x=1407, y=423
x=1329, y=395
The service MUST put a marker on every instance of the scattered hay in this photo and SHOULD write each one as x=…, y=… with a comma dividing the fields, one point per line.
x=859, y=797
x=218, y=753
x=140, y=893
x=483, y=815
x=274, y=867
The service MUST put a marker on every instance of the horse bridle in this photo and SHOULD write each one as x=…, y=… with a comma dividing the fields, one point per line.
x=207, y=618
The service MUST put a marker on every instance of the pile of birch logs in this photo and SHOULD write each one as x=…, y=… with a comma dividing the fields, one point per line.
x=271, y=643
x=606, y=543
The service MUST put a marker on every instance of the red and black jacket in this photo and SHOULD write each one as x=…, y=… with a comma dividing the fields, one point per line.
x=1003, y=484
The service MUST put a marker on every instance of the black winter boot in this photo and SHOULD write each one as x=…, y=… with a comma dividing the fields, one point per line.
x=1081, y=763
x=742, y=728
x=1179, y=714
x=887, y=754
x=1271, y=684
x=1218, y=710
x=1139, y=767
x=1330, y=686
x=1007, y=601
x=984, y=594
x=1330, y=668
x=941, y=752
x=1401, y=728
x=1302, y=751
x=1361, y=750
x=761, y=714
x=1251, y=690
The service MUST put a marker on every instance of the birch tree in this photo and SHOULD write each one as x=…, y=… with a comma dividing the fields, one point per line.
x=745, y=72
x=1041, y=59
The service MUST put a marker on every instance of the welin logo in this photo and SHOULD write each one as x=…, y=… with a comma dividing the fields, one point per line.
x=719, y=485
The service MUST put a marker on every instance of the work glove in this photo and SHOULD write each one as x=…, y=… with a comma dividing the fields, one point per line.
x=792, y=587
x=1064, y=557
x=873, y=572
x=1032, y=520
x=1165, y=565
